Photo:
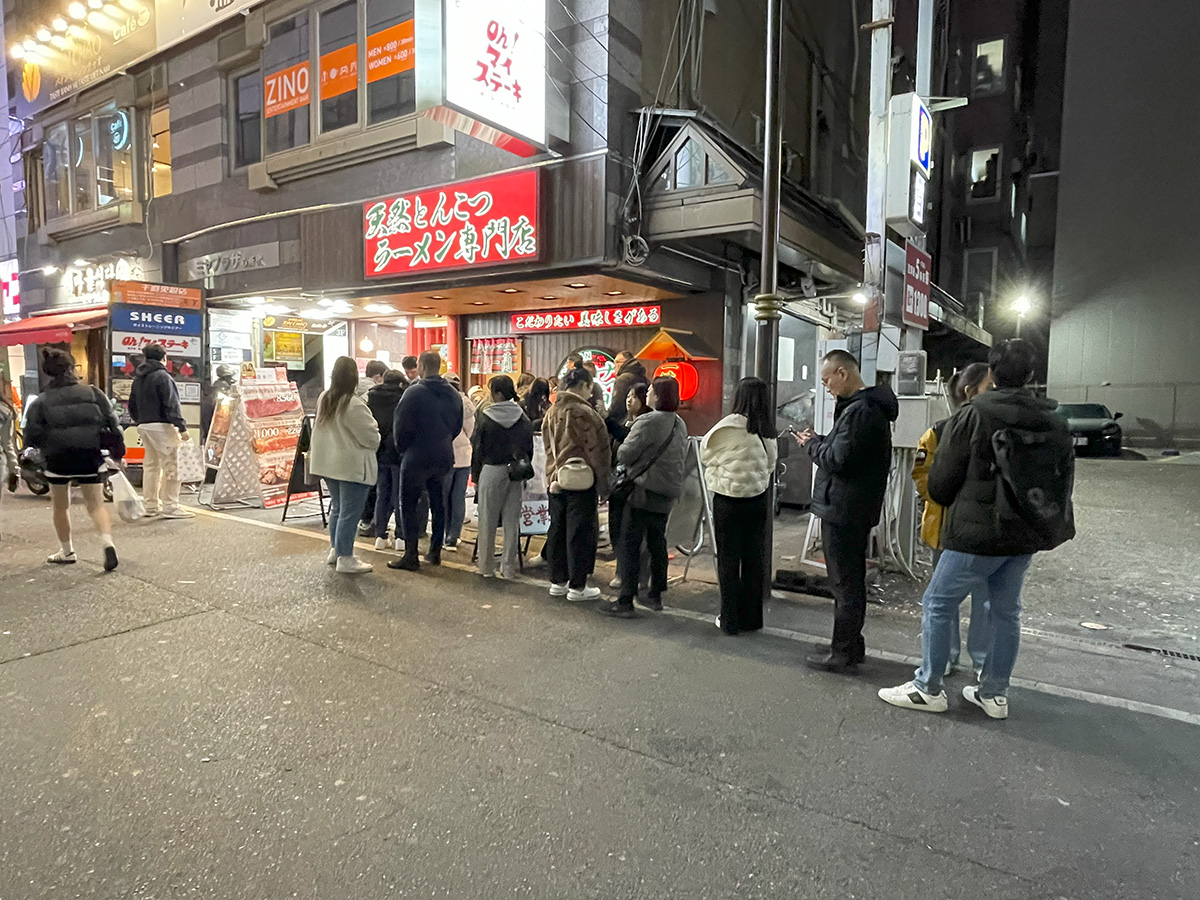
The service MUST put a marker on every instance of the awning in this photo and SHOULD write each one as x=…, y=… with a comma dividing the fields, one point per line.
x=673, y=343
x=52, y=329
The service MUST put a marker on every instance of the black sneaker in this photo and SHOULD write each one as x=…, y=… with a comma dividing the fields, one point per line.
x=405, y=563
x=434, y=557
x=654, y=603
x=110, y=558
x=828, y=661
x=617, y=610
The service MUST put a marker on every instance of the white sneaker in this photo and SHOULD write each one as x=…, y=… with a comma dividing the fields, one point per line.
x=909, y=696
x=717, y=621
x=995, y=707
x=352, y=565
x=179, y=513
x=979, y=676
x=615, y=584
x=535, y=562
x=331, y=557
x=399, y=545
x=588, y=593
x=558, y=590
x=382, y=543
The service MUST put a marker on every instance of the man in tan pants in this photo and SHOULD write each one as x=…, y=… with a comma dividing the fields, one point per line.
x=154, y=406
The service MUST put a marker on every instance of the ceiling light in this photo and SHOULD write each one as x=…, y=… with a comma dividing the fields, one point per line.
x=318, y=314
x=324, y=302
x=59, y=23
x=255, y=301
x=30, y=44
x=49, y=270
x=273, y=309
x=860, y=298
x=424, y=307
x=510, y=291
x=43, y=33
x=96, y=4
x=381, y=308
x=17, y=52
x=365, y=345
x=434, y=297
x=548, y=297
x=613, y=293
x=478, y=303
x=577, y=285
x=77, y=10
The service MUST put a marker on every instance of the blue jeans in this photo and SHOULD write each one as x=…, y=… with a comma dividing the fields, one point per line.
x=958, y=574
x=387, y=501
x=456, y=503
x=347, y=499
x=978, y=634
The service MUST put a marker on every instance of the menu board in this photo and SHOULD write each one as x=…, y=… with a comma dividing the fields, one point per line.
x=535, y=501
x=256, y=457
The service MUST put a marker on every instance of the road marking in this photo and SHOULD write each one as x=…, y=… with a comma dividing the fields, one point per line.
x=1151, y=709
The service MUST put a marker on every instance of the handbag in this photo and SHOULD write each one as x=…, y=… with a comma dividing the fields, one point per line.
x=575, y=475
x=520, y=469
x=622, y=482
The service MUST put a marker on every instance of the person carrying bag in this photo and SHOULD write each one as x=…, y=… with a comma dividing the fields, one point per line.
x=502, y=447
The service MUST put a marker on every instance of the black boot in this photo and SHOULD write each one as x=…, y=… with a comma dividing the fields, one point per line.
x=409, y=562
x=618, y=609
x=829, y=661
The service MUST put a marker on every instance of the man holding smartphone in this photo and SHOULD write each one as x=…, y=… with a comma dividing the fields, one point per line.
x=852, y=472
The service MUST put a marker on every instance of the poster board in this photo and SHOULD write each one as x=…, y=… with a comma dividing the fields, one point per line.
x=535, y=500
x=259, y=452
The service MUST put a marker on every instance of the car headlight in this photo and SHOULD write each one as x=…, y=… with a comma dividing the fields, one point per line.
x=1111, y=428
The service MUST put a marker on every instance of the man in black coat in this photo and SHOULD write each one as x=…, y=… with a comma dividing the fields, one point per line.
x=154, y=408
x=852, y=461
x=428, y=417
x=1004, y=471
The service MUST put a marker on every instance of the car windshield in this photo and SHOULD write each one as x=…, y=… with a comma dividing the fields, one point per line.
x=1084, y=411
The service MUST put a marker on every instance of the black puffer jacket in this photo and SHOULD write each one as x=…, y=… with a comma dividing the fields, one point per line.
x=853, y=460
x=428, y=417
x=963, y=475
x=382, y=400
x=69, y=417
x=502, y=433
x=154, y=396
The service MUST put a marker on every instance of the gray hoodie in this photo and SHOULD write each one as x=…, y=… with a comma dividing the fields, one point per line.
x=655, y=452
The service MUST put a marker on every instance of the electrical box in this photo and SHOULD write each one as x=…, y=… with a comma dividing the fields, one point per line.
x=913, y=421
x=910, y=373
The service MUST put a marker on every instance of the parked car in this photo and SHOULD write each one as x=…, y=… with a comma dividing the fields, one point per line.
x=1093, y=427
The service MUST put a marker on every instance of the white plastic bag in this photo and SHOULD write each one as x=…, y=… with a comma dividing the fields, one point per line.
x=129, y=505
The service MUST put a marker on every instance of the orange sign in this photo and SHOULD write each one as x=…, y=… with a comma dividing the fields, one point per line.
x=339, y=71
x=390, y=52
x=286, y=90
x=139, y=293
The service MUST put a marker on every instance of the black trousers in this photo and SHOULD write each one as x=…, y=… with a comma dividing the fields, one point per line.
x=570, y=547
x=637, y=527
x=415, y=479
x=742, y=559
x=846, y=561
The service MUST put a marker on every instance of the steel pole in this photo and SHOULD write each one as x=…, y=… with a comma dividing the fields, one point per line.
x=768, y=304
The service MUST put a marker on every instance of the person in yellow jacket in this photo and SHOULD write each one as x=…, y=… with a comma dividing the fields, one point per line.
x=963, y=385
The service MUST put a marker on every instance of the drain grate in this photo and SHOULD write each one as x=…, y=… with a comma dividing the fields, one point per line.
x=1173, y=654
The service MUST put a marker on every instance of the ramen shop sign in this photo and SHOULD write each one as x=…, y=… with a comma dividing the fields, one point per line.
x=489, y=221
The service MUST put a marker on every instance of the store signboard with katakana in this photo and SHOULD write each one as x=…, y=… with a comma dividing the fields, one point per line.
x=486, y=222
x=495, y=64
x=581, y=319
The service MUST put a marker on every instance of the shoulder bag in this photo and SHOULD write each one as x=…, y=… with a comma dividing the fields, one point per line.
x=623, y=481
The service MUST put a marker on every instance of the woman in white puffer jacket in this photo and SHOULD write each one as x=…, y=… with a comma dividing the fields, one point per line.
x=739, y=456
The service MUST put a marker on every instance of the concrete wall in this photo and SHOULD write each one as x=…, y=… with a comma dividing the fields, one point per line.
x=1124, y=327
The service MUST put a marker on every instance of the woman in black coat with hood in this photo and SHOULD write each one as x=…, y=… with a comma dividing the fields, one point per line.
x=71, y=423
x=382, y=400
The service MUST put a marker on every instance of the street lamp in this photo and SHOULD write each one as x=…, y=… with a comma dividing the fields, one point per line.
x=1022, y=306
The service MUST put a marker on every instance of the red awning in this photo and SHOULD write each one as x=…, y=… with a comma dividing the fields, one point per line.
x=51, y=329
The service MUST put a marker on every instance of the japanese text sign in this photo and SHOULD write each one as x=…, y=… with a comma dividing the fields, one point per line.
x=490, y=220
x=580, y=319
x=496, y=63
x=157, y=319
x=140, y=293
x=918, y=266
x=189, y=347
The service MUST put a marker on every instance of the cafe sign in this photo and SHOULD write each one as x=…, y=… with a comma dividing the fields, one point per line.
x=488, y=221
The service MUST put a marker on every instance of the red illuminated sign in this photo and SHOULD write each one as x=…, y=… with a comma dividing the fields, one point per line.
x=581, y=319
x=490, y=220
x=683, y=372
x=918, y=266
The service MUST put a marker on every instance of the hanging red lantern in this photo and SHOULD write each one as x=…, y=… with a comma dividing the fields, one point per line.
x=683, y=372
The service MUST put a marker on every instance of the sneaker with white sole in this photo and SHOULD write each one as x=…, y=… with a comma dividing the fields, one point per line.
x=180, y=513
x=615, y=584
x=979, y=676
x=399, y=545
x=995, y=707
x=909, y=696
x=558, y=590
x=331, y=557
x=382, y=543
x=587, y=593
x=352, y=565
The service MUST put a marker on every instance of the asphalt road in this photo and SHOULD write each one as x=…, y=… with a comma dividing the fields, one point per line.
x=225, y=717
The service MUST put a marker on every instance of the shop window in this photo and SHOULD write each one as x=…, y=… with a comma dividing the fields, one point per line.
x=247, y=118
x=984, y=174
x=338, y=78
x=390, y=75
x=286, y=84
x=979, y=279
x=83, y=164
x=689, y=165
x=716, y=172
x=114, y=154
x=987, y=71
x=160, y=151
x=56, y=171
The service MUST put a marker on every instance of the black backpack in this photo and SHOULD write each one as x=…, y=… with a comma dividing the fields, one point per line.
x=1035, y=477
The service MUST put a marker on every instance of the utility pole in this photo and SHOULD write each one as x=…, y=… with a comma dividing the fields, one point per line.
x=767, y=304
x=875, y=255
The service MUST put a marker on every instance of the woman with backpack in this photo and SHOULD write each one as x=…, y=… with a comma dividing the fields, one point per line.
x=72, y=423
x=344, y=440
x=650, y=476
x=964, y=384
x=501, y=463
x=739, y=456
x=382, y=400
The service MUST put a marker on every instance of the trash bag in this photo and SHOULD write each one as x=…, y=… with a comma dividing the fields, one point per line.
x=129, y=505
